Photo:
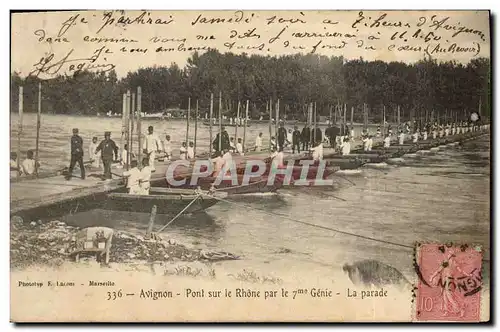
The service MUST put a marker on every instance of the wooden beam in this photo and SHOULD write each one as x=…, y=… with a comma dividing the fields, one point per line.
x=210, y=128
x=196, y=127
x=38, y=124
x=245, y=126
x=139, y=127
x=19, y=130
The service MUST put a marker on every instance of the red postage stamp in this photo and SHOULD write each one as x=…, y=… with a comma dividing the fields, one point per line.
x=449, y=283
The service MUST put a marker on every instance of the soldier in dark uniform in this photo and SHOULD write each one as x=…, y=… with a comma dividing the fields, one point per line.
x=281, y=136
x=108, y=149
x=306, y=137
x=225, y=144
x=76, y=154
x=296, y=139
x=318, y=136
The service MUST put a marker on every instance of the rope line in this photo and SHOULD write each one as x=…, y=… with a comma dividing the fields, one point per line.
x=314, y=225
x=178, y=214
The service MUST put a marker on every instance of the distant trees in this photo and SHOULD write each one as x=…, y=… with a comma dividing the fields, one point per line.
x=423, y=87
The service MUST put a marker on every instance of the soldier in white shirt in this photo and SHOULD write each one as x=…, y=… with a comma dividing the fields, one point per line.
x=401, y=138
x=370, y=142
x=190, y=151
x=150, y=146
x=387, y=141
x=94, y=157
x=317, y=152
x=145, y=177
x=239, y=147
x=345, y=148
x=183, y=151
x=258, y=142
x=415, y=137
x=167, y=147
x=365, y=142
x=134, y=177
x=29, y=166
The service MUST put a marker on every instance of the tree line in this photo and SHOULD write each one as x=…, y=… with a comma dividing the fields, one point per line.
x=419, y=88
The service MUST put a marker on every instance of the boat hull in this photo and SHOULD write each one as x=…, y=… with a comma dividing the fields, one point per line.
x=170, y=204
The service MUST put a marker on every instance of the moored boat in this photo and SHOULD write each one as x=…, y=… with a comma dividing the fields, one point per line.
x=167, y=200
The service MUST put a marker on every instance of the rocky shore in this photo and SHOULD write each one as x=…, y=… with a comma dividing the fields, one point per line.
x=50, y=243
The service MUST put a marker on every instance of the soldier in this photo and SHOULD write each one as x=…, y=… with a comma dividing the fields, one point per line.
x=76, y=154
x=108, y=148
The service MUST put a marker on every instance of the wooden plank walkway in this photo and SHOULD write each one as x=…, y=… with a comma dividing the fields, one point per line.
x=41, y=192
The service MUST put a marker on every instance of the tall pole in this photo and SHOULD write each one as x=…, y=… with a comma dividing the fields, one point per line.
x=345, y=113
x=38, y=123
x=270, y=125
x=124, y=136
x=245, y=126
x=314, y=124
x=19, y=130
x=139, y=129
x=277, y=118
x=195, y=126
x=479, y=107
x=129, y=113
x=330, y=117
x=383, y=121
x=187, y=121
x=352, y=116
x=399, y=116
x=132, y=114
x=210, y=128
x=220, y=120
x=236, y=124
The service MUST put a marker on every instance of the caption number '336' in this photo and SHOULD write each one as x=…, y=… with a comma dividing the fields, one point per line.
x=114, y=295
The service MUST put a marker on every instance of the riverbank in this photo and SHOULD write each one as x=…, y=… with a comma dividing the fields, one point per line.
x=49, y=244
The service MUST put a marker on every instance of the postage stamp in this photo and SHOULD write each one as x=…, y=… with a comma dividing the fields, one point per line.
x=450, y=281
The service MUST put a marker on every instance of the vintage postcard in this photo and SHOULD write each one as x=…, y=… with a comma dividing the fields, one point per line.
x=250, y=166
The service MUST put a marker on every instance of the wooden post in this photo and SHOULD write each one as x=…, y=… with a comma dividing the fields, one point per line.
x=236, y=124
x=330, y=119
x=399, y=116
x=245, y=126
x=220, y=121
x=129, y=113
x=132, y=115
x=345, y=113
x=270, y=125
x=195, y=127
x=277, y=118
x=383, y=122
x=152, y=218
x=124, y=136
x=210, y=128
x=187, y=121
x=335, y=114
x=139, y=129
x=38, y=123
x=479, y=107
x=19, y=130
x=314, y=123
x=352, y=116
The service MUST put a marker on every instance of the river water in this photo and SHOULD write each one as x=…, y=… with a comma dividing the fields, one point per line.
x=434, y=198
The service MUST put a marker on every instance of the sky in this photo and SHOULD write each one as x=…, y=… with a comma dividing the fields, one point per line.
x=47, y=44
